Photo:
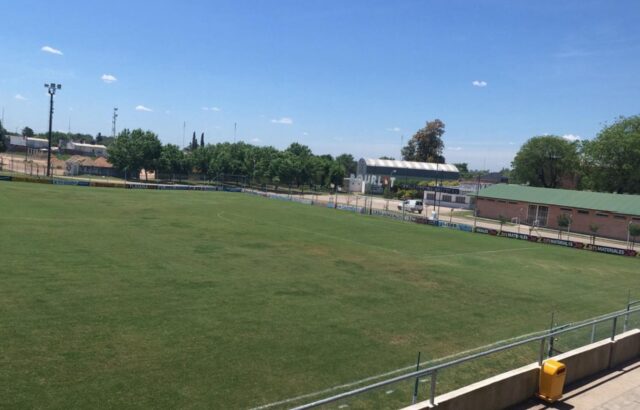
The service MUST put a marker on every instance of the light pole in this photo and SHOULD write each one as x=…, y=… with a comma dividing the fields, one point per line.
x=439, y=199
x=113, y=122
x=389, y=186
x=51, y=89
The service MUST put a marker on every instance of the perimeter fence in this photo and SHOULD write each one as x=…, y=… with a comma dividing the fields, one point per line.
x=435, y=377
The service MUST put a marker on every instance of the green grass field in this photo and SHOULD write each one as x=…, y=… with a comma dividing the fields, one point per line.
x=132, y=299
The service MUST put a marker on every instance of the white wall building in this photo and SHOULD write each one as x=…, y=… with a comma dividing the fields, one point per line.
x=87, y=149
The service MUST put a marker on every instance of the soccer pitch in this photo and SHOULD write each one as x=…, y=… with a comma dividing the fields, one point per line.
x=178, y=299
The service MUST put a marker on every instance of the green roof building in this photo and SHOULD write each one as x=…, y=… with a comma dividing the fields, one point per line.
x=609, y=214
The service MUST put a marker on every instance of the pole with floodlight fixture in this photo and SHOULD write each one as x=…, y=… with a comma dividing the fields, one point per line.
x=51, y=89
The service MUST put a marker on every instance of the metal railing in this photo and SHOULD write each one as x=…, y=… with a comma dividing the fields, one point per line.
x=432, y=372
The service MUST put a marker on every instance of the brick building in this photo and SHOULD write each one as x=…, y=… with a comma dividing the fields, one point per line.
x=611, y=213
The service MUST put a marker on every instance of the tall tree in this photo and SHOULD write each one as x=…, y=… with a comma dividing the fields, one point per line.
x=426, y=145
x=202, y=140
x=613, y=157
x=194, y=142
x=463, y=168
x=4, y=144
x=348, y=163
x=173, y=161
x=132, y=151
x=27, y=132
x=543, y=161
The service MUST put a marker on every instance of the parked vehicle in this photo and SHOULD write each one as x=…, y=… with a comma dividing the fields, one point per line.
x=411, y=205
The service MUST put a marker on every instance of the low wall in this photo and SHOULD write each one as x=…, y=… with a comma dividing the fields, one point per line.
x=516, y=386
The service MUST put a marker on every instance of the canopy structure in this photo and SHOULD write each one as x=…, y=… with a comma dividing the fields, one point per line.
x=405, y=169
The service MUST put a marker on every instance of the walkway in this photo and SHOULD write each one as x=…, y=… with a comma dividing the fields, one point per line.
x=619, y=389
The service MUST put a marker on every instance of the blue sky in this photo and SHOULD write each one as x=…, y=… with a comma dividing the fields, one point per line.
x=339, y=76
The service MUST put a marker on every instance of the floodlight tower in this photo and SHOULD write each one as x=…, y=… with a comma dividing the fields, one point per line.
x=113, y=122
x=51, y=89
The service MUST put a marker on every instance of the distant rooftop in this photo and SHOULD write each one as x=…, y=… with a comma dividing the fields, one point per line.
x=599, y=201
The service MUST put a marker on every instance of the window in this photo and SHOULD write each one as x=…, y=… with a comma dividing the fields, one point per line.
x=602, y=215
x=460, y=200
x=537, y=215
x=566, y=209
x=502, y=202
x=513, y=203
x=582, y=211
x=446, y=198
x=431, y=197
x=490, y=200
x=619, y=217
x=636, y=219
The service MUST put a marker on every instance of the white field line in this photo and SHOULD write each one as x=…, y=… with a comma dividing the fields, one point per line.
x=390, y=373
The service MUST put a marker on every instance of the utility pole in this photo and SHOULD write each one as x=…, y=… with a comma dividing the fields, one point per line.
x=184, y=130
x=235, y=129
x=51, y=89
x=113, y=122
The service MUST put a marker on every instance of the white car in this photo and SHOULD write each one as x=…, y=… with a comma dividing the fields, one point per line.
x=411, y=205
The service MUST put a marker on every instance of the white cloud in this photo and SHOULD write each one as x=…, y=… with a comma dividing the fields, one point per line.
x=108, y=78
x=20, y=97
x=305, y=133
x=283, y=120
x=455, y=149
x=210, y=109
x=51, y=50
x=255, y=139
x=394, y=129
x=479, y=83
x=143, y=108
x=571, y=137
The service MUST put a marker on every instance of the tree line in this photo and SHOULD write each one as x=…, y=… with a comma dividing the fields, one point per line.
x=608, y=163
x=135, y=150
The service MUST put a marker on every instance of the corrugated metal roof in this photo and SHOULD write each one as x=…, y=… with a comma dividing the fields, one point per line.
x=80, y=144
x=427, y=166
x=599, y=201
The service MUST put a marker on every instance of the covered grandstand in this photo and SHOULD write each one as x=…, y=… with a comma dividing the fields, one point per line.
x=379, y=171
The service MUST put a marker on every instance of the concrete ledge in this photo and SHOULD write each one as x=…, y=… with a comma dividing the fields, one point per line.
x=626, y=348
x=496, y=392
x=516, y=386
x=586, y=360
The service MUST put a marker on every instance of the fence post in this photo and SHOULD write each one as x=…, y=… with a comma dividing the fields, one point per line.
x=593, y=333
x=541, y=356
x=626, y=317
x=613, y=330
x=432, y=398
x=550, y=353
x=415, y=387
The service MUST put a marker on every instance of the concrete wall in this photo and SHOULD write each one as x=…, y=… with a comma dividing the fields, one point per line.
x=516, y=386
x=610, y=225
